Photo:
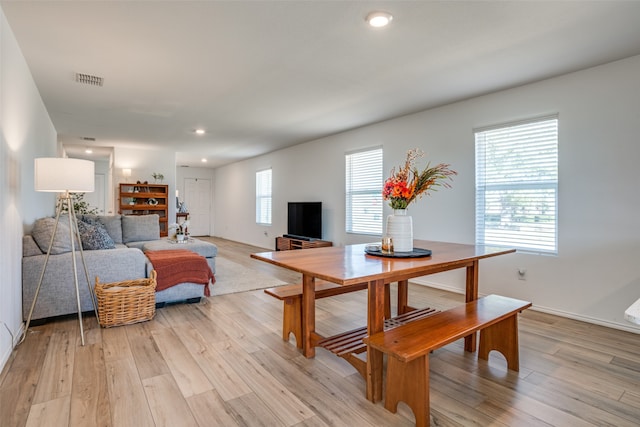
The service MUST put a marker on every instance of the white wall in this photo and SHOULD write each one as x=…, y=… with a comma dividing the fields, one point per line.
x=596, y=274
x=143, y=163
x=26, y=132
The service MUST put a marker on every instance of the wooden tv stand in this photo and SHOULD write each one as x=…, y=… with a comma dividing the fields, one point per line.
x=289, y=243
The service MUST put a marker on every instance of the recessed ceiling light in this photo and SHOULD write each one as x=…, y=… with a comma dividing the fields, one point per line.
x=379, y=19
x=204, y=160
x=88, y=151
x=200, y=131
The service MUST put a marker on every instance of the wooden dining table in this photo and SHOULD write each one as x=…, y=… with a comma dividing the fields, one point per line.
x=350, y=265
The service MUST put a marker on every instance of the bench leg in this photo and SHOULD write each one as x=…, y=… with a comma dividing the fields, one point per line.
x=292, y=320
x=409, y=383
x=502, y=337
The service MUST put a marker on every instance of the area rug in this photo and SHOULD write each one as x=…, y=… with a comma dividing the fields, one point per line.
x=232, y=277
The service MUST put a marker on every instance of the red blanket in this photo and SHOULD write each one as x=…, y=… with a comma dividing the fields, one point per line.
x=179, y=266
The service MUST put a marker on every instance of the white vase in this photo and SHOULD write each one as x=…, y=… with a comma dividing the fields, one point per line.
x=400, y=229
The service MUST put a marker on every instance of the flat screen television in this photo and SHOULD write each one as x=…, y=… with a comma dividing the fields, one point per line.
x=305, y=220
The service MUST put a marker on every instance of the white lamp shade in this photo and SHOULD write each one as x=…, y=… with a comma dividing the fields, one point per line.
x=57, y=174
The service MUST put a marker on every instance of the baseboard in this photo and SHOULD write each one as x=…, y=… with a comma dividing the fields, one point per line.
x=6, y=353
x=587, y=319
x=542, y=309
x=435, y=285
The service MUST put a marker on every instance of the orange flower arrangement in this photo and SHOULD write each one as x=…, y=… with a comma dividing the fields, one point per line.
x=409, y=184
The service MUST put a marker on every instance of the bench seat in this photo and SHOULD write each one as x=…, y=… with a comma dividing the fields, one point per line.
x=291, y=295
x=349, y=344
x=408, y=346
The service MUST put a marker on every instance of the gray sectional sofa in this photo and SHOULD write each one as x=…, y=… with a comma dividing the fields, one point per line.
x=112, y=258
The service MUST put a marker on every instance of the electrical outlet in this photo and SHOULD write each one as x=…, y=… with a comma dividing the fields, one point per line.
x=522, y=274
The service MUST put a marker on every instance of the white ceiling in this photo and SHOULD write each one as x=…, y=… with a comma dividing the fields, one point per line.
x=263, y=75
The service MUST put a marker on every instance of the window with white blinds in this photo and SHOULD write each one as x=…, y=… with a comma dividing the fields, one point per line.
x=517, y=185
x=263, y=197
x=364, y=192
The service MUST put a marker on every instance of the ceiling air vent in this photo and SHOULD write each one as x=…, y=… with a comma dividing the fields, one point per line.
x=88, y=79
x=88, y=138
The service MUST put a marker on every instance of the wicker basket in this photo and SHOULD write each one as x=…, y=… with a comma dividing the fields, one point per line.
x=126, y=302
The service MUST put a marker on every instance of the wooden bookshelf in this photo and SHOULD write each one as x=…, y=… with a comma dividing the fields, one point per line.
x=145, y=199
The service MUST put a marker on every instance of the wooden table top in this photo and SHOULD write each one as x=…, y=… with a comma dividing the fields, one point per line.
x=347, y=265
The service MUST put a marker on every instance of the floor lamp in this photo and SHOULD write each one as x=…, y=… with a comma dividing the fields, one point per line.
x=65, y=176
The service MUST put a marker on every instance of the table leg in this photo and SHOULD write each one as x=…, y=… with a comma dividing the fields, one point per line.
x=308, y=314
x=471, y=295
x=375, y=323
x=403, y=296
x=387, y=300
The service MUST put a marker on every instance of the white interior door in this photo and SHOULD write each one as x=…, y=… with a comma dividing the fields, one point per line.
x=198, y=200
x=97, y=199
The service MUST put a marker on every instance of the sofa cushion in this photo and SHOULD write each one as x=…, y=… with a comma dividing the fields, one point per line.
x=94, y=236
x=112, y=223
x=140, y=227
x=43, y=230
x=29, y=246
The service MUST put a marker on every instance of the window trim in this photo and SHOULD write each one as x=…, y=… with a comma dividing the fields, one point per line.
x=373, y=190
x=550, y=182
x=260, y=197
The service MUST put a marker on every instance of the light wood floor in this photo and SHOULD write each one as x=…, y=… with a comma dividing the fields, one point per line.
x=223, y=363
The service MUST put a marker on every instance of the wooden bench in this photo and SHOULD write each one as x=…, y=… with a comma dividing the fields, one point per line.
x=291, y=295
x=349, y=344
x=409, y=345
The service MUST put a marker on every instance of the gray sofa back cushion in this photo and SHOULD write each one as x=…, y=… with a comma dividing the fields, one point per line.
x=140, y=227
x=43, y=229
x=113, y=224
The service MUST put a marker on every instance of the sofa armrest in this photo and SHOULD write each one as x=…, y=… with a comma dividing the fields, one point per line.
x=58, y=295
x=29, y=246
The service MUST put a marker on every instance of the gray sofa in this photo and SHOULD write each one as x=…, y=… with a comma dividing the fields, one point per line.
x=124, y=260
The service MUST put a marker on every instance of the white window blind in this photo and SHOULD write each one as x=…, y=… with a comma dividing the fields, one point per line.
x=263, y=197
x=517, y=185
x=364, y=192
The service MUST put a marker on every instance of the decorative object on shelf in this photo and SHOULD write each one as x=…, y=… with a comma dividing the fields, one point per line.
x=152, y=202
x=137, y=189
x=158, y=177
x=405, y=186
x=66, y=176
x=183, y=208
